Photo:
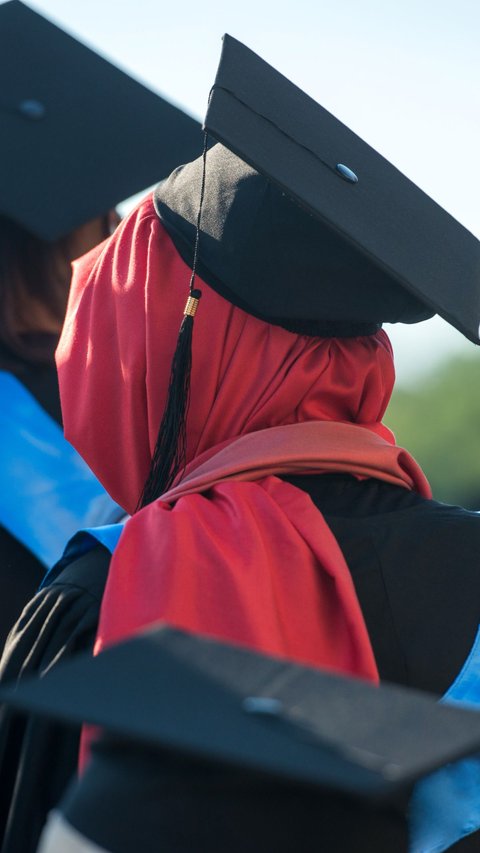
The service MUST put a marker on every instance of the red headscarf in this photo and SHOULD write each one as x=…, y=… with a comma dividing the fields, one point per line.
x=114, y=358
x=253, y=562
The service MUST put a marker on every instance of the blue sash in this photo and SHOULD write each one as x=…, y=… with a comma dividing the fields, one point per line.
x=47, y=492
x=83, y=542
x=446, y=805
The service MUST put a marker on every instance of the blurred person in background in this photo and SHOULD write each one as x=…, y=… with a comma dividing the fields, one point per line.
x=78, y=136
x=34, y=284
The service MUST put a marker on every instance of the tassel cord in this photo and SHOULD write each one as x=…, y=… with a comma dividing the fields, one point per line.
x=169, y=456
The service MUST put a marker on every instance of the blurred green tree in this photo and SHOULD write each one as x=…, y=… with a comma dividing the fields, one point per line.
x=438, y=421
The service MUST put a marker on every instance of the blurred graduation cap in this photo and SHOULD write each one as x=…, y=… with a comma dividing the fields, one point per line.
x=77, y=134
x=311, y=228
x=198, y=697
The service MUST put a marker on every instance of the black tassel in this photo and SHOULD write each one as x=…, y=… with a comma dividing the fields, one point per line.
x=169, y=456
x=170, y=450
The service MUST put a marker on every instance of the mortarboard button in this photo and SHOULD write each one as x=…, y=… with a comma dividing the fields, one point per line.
x=78, y=134
x=187, y=694
x=264, y=705
x=32, y=109
x=346, y=173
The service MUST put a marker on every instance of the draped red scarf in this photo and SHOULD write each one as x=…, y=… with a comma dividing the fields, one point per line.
x=232, y=550
x=124, y=313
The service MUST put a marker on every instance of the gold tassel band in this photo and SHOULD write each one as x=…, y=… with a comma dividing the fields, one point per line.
x=191, y=306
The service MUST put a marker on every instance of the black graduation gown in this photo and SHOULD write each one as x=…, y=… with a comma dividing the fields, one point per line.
x=413, y=563
x=38, y=758
x=20, y=571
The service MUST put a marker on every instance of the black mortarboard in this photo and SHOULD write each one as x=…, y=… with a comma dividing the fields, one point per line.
x=77, y=135
x=197, y=696
x=359, y=245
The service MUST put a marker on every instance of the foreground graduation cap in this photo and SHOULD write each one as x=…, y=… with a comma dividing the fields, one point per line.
x=200, y=697
x=313, y=229
x=77, y=135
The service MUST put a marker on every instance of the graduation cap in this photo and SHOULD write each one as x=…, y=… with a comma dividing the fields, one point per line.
x=296, y=220
x=77, y=134
x=196, y=696
x=306, y=225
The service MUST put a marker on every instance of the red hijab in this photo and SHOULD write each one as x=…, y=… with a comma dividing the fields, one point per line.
x=253, y=562
x=114, y=358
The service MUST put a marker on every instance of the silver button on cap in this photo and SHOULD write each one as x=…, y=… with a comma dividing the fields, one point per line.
x=346, y=173
x=262, y=705
x=32, y=109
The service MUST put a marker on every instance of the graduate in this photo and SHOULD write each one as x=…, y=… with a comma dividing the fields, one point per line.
x=78, y=136
x=271, y=506
x=280, y=409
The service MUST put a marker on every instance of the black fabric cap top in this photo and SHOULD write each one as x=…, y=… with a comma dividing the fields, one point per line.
x=77, y=134
x=216, y=701
x=311, y=223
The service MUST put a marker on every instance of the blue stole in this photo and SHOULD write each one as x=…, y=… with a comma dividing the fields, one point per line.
x=446, y=805
x=47, y=492
x=83, y=542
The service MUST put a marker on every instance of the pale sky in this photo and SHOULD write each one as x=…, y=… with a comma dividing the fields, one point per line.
x=404, y=75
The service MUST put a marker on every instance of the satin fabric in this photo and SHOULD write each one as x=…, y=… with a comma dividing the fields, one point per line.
x=240, y=563
x=114, y=358
x=234, y=552
x=310, y=447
